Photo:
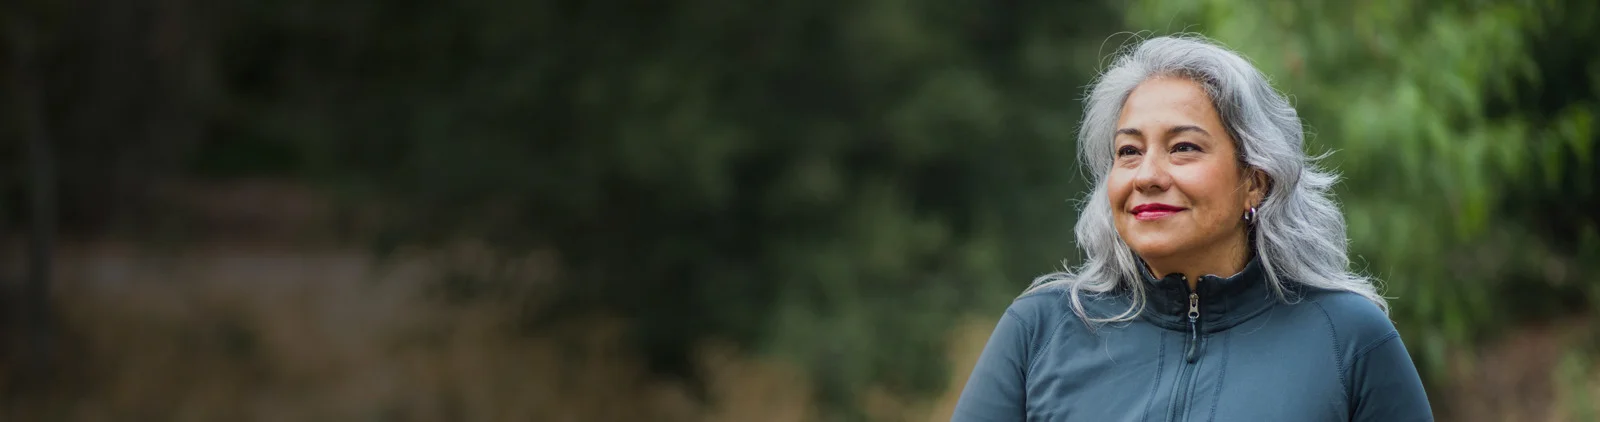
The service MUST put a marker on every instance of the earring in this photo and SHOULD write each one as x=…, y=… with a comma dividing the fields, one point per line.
x=1250, y=215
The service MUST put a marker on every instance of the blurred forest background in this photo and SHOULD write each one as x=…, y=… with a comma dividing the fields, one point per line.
x=714, y=210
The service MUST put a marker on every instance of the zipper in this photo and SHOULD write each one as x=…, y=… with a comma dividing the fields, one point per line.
x=1194, y=327
x=1180, y=399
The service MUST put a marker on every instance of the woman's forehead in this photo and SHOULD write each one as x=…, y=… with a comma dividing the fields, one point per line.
x=1167, y=102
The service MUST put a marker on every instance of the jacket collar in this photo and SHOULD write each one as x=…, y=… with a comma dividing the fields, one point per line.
x=1223, y=302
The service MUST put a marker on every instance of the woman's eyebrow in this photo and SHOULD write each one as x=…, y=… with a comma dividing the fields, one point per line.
x=1170, y=132
x=1175, y=130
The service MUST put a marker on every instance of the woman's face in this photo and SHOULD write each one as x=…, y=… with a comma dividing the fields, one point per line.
x=1176, y=187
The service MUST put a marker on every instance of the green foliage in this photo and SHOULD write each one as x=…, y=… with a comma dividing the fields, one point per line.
x=1573, y=382
x=1466, y=135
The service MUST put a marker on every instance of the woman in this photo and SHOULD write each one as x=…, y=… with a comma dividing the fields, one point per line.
x=1216, y=285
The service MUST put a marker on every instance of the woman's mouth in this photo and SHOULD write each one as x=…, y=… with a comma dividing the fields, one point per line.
x=1155, y=211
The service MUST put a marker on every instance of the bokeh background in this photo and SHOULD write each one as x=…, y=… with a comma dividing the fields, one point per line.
x=788, y=210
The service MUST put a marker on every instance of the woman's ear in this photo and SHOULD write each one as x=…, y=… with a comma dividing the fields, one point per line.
x=1257, y=184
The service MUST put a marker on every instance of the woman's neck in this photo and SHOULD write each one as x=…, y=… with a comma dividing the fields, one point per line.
x=1219, y=261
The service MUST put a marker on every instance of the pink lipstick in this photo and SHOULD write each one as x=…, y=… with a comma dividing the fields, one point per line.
x=1155, y=211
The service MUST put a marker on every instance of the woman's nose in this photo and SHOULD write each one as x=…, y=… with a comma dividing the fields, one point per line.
x=1152, y=174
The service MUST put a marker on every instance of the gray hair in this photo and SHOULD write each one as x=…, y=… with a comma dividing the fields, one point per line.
x=1299, y=233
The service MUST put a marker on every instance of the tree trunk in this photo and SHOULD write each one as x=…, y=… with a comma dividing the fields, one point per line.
x=36, y=333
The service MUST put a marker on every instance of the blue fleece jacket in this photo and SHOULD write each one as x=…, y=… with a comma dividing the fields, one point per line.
x=1245, y=355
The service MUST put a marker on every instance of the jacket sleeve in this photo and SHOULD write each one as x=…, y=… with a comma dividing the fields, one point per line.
x=1385, y=385
x=995, y=392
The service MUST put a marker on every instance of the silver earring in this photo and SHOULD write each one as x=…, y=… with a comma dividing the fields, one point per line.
x=1250, y=215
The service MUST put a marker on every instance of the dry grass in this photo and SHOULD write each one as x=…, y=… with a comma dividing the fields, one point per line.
x=1523, y=377
x=254, y=332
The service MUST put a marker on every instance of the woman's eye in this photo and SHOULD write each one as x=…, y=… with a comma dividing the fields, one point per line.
x=1185, y=147
x=1127, y=150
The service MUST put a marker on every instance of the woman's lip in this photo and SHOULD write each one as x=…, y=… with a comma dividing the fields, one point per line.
x=1156, y=206
x=1154, y=214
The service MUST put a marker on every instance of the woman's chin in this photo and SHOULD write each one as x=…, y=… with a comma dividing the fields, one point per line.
x=1155, y=250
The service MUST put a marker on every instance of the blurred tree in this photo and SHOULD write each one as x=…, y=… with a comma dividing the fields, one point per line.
x=30, y=310
x=1466, y=132
x=125, y=90
x=835, y=182
x=103, y=100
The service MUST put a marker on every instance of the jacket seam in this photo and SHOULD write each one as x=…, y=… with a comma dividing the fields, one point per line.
x=1022, y=329
x=1361, y=354
x=1333, y=333
x=1222, y=374
x=1393, y=334
x=1033, y=355
x=1055, y=330
x=1161, y=363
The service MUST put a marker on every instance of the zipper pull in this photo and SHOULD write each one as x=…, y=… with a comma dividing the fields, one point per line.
x=1194, y=307
x=1194, y=331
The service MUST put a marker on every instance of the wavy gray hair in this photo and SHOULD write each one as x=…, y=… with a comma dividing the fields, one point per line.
x=1299, y=233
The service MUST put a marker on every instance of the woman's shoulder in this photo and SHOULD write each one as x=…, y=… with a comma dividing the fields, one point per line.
x=1355, y=320
x=1033, y=321
x=1039, y=305
x=1050, y=307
